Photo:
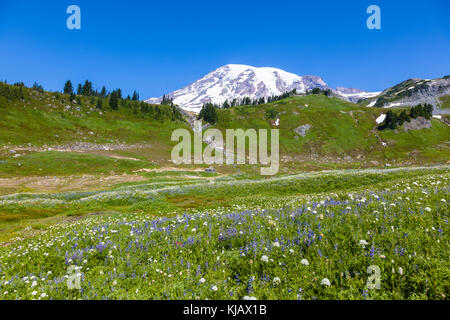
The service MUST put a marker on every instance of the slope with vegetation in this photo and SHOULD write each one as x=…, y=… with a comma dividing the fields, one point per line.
x=339, y=132
x=33, y=120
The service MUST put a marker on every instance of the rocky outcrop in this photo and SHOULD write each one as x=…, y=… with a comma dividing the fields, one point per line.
x=417, y=124
x=413, y=92
x=302, y=130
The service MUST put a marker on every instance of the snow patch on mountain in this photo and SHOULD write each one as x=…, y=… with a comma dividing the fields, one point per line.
x=235, y=81
x=354, y=95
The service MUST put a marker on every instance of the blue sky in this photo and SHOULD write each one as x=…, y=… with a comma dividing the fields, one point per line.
x=158, y=46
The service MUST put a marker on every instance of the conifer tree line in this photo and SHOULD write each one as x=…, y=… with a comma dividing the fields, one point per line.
x=87, y=90
x=393, y=120
x=247, y=101
x=101, y=99
x=115, y=101
x=209, y=114
x=316, y=90
x=12, y=92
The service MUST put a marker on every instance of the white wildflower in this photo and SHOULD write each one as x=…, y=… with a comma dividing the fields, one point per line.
x=363, y=243
x=325, y=282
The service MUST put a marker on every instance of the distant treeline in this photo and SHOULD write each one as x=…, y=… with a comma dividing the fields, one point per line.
x=393, y=119
x=12, y=92
x=101, y=99
x=247, y=101
x=114, y=99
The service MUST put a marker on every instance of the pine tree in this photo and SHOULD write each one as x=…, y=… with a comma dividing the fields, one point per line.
x=87, y=88
x=99, y=103
x=403, y=117
x=391, y=120
x=208, y=113
x=135, y=96
x=114, y=100
x=103, y=92
x=428, y=110
x=315, y=91
x=79, y=89
x=68, y=89
x=37, y=87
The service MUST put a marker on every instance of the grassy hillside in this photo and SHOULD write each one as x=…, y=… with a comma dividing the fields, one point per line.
x=32, y=122
x=36, y=126
x=340, y=132
x=445, y=102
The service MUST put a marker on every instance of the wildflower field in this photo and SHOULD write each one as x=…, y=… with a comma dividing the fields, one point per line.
x=304, y=236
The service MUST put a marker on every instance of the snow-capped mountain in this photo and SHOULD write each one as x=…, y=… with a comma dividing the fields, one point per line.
x=353, y=94
x=236, y=81
x=412, y=92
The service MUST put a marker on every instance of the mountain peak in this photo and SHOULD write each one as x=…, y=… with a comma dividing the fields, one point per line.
x=233, y=81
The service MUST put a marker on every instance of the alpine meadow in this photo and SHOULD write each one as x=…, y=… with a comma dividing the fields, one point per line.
x=173, y=174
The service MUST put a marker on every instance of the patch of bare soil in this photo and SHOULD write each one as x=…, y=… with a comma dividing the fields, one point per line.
x=169, y=169
x=65, y=183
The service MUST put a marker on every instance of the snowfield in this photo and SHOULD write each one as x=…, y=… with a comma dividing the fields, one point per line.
x=381, y=118
x=235, y=81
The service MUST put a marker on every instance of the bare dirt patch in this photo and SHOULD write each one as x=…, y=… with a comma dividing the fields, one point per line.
x=63, y=184
x=169, y=169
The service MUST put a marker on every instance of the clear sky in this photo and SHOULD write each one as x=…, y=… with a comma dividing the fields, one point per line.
x=159, y=46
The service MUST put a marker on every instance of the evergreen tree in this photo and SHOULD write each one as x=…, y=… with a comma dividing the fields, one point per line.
x=114, y=100
x=391, y=120
x=428, y=110
x=135, y=96
x=103, y=92
x=68, y=89
x=403, y=117
x=315, y=91
x=79, y=89
x=37, y=87
x=99, y=103
x=87, y=88
x=208, y=113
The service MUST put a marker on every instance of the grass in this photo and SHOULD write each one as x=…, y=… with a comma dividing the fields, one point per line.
x=49, y=119
x=257, y=246
x=66, y=163
x=445, y=102
x=188, y=234
x=339, y=130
